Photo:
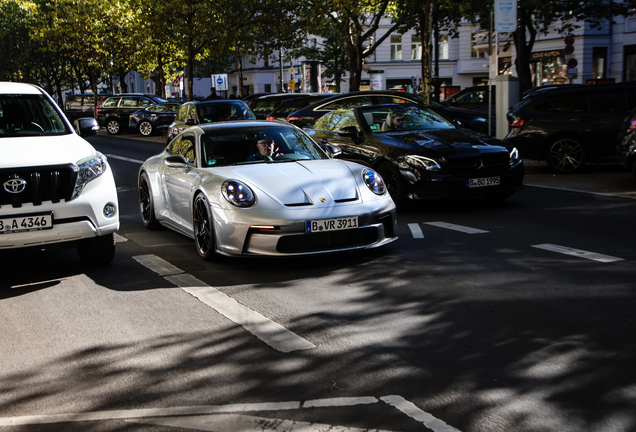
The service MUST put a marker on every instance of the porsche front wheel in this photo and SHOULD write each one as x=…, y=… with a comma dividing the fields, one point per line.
x=146, y=203
x=203, y=228
x=393, y=183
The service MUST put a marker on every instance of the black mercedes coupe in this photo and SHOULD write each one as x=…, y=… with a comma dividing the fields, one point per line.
x=420, y=154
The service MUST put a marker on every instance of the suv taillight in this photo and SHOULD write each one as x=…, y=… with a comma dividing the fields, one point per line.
x=519, y=123
x=271, y=118
x=632, y=126
x=291, y=119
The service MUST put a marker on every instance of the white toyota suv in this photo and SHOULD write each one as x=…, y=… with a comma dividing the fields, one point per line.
x=55, y=188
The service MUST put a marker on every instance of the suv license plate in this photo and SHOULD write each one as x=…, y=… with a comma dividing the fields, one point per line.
x=25, y=223
x=331, y=224
x=481, y=182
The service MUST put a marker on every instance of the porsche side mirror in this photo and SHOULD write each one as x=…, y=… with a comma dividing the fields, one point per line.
x=86, y=126
x=176, y=161
x=348, y=131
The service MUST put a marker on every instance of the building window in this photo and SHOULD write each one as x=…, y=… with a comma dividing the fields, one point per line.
x=268, y=88
x=416, y=48
x=473, y=52
x=630, y=62
x=396, y=47
x=599, y=62
x=442, y=46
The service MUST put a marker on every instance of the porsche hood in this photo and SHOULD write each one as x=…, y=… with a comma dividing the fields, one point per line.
x=318, y=182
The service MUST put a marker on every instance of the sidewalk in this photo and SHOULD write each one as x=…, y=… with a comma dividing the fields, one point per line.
x=603, y=179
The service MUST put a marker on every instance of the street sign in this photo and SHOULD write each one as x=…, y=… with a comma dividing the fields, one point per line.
x=220, y=82
x=292, y=84
x=176, y=82
x=291, y=70
x=505, y=16
x=572, y=63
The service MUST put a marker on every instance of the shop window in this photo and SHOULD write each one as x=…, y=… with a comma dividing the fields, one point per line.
x=630, y=62
x=599, y=60
x=416, y=48
x=396, y=47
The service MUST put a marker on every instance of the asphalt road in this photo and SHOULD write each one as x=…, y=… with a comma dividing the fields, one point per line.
x=514, y=317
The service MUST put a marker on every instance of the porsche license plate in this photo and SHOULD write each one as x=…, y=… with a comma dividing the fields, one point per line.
x=331, y=224
x=9, y=225
x=486, y=181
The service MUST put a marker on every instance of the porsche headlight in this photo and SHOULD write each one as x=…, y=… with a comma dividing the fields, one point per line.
x=423, y=162
x=514, y=156
x=238, y=193
x=374, y=182
x=87, y=172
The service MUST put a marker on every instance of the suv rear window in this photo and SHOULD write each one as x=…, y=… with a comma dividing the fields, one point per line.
x=568, y=102
x=110, y=102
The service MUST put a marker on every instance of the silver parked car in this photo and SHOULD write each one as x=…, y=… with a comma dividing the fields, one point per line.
x=283, y=197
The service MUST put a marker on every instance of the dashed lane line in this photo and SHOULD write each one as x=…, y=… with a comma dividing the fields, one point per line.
x=270, y=332
x=112, y=156
x=460, y=228
x=210, y=417
x=578, y=253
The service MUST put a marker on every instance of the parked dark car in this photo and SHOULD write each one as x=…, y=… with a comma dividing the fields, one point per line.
x=626, y=149
x=249, y=98
x=288, y=106
x=472, y=98
x=306, y=117
x=265, y=104
x=427, y=157
x=209, y=111
x=153, y=119
x=113, y=112
x=570, y=125
x=80, y=105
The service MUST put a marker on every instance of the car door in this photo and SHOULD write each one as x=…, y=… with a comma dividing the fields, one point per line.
x=325, y=132
x=180, y=180
x=608, y=109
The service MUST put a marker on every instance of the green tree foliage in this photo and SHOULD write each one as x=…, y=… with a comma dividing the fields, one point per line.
x=17, y=18
x=357, y=21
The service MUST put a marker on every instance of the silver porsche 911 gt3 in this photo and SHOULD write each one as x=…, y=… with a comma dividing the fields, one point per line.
x=263, y=188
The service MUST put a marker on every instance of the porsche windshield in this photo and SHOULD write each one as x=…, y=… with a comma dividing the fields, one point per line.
x=28, y=115
x=229, y=146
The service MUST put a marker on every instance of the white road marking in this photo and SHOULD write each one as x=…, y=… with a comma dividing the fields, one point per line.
x=112, y=156
x=120, y=239
x=454, y=227
x=157, y=265
x=415, y=413
x=270, y=332
x=187, y=413
x=242, y=423
x=578, y=253
x=416, y=231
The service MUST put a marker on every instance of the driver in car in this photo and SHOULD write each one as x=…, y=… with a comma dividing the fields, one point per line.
x=266, y=149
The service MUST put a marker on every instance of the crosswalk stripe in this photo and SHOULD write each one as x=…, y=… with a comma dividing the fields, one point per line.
x=578, y=253
x=454, y=227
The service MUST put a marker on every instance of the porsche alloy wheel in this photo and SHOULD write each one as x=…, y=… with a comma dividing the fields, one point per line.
x=203, y=228
x=145, y=128
x=566, y=156
x=146, y=203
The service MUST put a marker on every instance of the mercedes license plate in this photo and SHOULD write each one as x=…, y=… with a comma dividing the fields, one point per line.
x=9, y=225
x=486, y=181
x=335, y=224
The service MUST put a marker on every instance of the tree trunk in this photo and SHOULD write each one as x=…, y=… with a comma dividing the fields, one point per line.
x=190, y=69
x=93, y=80
x=239, y=63
x=426, y=24
x=524, y=51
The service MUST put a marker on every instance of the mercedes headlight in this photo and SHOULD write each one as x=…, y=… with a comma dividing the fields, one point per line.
x=423, y=162
x=238, y=193
x=514, y=156
x=374, y=182
x=87, y=172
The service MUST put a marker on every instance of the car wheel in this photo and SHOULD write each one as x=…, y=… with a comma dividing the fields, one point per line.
x=97, y=251
x=203, y=228
x=113, y=127
x=145, y=128
x=566, y=155
x=393, y=183
x=147, y=204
